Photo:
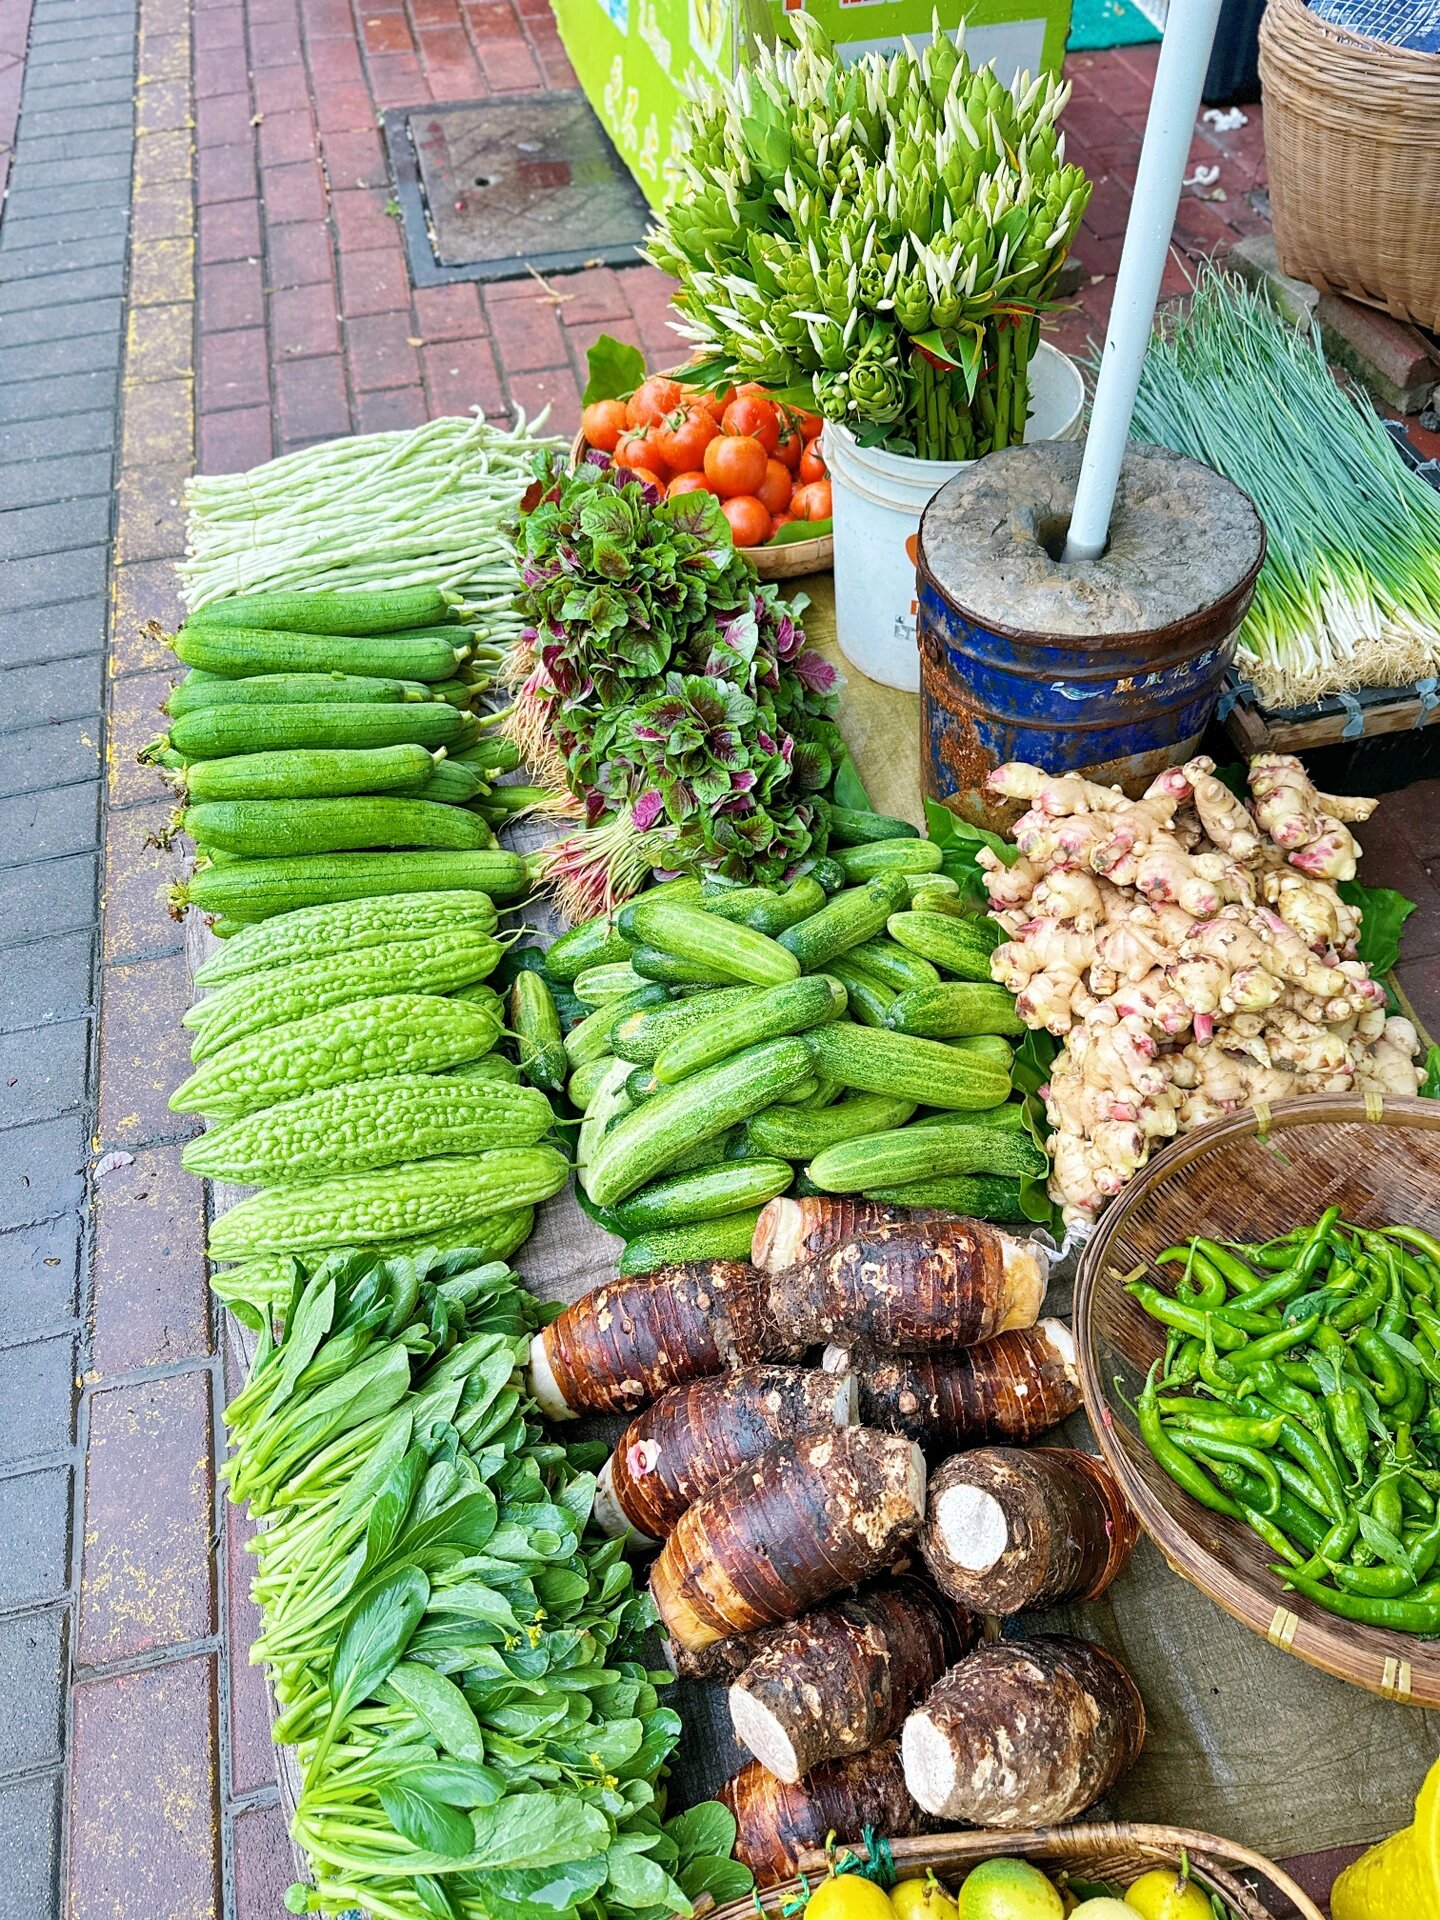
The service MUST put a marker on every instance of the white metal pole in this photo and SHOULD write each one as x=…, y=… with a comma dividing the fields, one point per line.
x=1184, y=56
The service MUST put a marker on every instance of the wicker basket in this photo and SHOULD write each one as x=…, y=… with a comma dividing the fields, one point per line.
x=1251, y=1178
x=1099, y=1852
x=1352, y=136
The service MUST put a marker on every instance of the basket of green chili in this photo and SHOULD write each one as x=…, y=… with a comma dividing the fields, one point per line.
x=1258, y=1325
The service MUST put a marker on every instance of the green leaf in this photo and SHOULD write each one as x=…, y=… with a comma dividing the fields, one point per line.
x=375, y=1633
x=1430, y=1085
x=1383, y=913
x=1387, y=1545
x=546, y=1890
x=1034, y=1057
x=636, y=1881
x=795, y=531
x=441, y=1706
x=721, y=1879
x=849, y=789
x=305, y=1330
x=933, y=343
x=615, y=370
x=539, y=1830
x=708, y=1827
x=960, y=843
x=425, y=1823
x=458, y=1786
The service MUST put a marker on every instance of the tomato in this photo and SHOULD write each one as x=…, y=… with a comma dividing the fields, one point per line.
x=749, y=519
x=775, y=489
x=778, y=520
x=790, y=446
x=689, y=483
x=602, y=424
x=637, y=450
x=652, y=400
x=807, y=425
x=812, y=501
x=812, y=462
x=716, y=403
x=755, y=418
x=735, y=463
x=682, y=437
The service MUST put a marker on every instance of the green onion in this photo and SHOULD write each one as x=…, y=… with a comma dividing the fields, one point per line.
x=1349, y=595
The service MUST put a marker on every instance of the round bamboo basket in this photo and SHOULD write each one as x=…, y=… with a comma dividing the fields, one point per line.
x=1103, y=1851
x=1352, y=136
x=1252, y=1177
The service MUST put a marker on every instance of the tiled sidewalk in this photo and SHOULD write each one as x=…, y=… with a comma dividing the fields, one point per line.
x=258, y=302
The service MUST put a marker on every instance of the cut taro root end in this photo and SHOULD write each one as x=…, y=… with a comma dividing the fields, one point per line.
x=846, y=1403
x=610, y=1517
x=778, y=1235
x=929, y=1762
x=759, y=1730
x=972, y=1527
x=1026, y=1269
x=544, y=1387
x=1062, y=1344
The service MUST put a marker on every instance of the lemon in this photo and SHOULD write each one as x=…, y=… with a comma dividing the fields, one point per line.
x=1165, y=1895
x=922, y=1900
x=1103, y=1909
x=847, y=1896
x=1008, y=1890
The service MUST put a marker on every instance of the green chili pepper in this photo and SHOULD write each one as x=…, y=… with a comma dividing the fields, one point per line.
x=1387, y=1582
x=1211, y=1446
x=1184, y=1471
x=1298, y=1482
x=1270, y=1344
x=1384, y=1504
x=1362, y=1305
x=1416, y=1392
x=1271, y=1384
x=1338, y=1540
x=1228, y=1263
x=1207, y=1288
x=1309, y=1451
x=1186, y=1365
x=1291, y=1516
x=1300, y=1373
x=1204, y=1417
x=1347, y=1420
x=1176, y=1313
x=1272, y=1536
x=1417, y=1237
x=1387, y=1375
x=1419, y=1612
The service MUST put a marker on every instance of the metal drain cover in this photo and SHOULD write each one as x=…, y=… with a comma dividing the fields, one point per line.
x=488, y=191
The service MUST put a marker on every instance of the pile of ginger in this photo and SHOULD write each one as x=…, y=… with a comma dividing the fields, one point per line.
x=1192, y=951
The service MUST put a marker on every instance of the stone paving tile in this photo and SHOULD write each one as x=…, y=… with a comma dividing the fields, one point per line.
x=35, y=1529
x=143, y=1814
x=28, y=533
x=138, y=870
x=146, y=1571
x=50, y=756
x=39, y=1270
x=75, y=392
x=53, y=690
x=135, y=720
x=52, y=897
x=29, y=1847
x=144, y=1052
x=262, y=1861
x=61, y=988
x=56, y=632
x=64, y=477
x=151, y=1303
x=38, y=1385
x=43, y=1072
x=55, y=258
x=32, y=1661
x=145, y=592
x=46, y=578
x=252, y=1752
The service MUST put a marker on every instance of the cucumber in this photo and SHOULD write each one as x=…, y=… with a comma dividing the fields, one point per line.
x=889, y=856
x=857, y=914
x=608, y=1102
x=792, y=1008
x=641, y=1037
x=873, y=1060
x=937, y=893
x=705, y=1195
x=728, y=1238
x=1012, y=1114
x=641, y=1085
x=451, y=785
x=264, y=828
x=651, y=963
x=611, y=980
x=954, y=1010
x=978, y=1196
x=592, y=1036
x=803, y=1092
x=250, y=890
x=597, y=943
x=332, y=612
x=989, y=1046
x=889, y=964
x=829, y=875
x=959, y=946
x=490, y=1066
x=711, y=1153
x=536, y=1022
x=218, y=731
x=686, y=888
x=869, y=1002
x=849, y=828
x=907, y=1154
x=315, y=774
x=643, y=1143
x=797, y=1133
x=290, y=689
x=237, y=653
x=582, y=1083
x=491, y=755
x=698, y=938
x=765, y=910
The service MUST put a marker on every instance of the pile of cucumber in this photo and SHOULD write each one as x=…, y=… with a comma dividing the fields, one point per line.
x=329, y=747
x=728, y=1044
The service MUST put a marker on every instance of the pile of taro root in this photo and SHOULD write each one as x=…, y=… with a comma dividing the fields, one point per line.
x=1193, y=951
x=809, y=1557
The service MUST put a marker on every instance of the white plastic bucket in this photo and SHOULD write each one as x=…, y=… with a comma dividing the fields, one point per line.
x=878, y=498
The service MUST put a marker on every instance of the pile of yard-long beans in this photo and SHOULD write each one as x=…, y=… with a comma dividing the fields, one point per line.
x=1300, y=1393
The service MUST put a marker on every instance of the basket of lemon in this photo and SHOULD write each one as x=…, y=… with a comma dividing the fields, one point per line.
x=1095, y=1872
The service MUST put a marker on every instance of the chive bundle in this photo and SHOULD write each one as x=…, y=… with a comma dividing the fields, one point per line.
x=1349, y=595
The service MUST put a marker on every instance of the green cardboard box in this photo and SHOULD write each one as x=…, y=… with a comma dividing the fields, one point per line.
x=633, y=57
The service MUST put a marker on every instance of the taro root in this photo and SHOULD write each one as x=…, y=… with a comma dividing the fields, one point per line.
x=777, y=1822
x=913, y=1286
x=789, y=1231
x=803, y=1521
x=1006, y=1529
x=1023, y=1733
x=695, y=1434
x=1013, y=1387
x=624, y=1343
x=843, y=1678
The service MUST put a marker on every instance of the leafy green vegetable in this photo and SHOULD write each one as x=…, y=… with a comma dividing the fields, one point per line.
x=615, y=370
x=794, y=531
x=1383, y=913
x=1031, y=1069
x=1430, y=1085
x=961, y=843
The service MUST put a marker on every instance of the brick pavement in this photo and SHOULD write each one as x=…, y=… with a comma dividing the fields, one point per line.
x=258, y=302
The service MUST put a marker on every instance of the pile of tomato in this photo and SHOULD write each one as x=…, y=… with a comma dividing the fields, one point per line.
x=761, y=459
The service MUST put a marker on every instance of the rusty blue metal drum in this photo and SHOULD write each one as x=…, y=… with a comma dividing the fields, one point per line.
x=1119, y=705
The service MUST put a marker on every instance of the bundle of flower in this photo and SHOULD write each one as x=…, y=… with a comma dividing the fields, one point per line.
x=667, y=690
x=875, y=240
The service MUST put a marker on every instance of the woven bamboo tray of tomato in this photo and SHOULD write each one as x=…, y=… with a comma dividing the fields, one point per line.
x=759, y=457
